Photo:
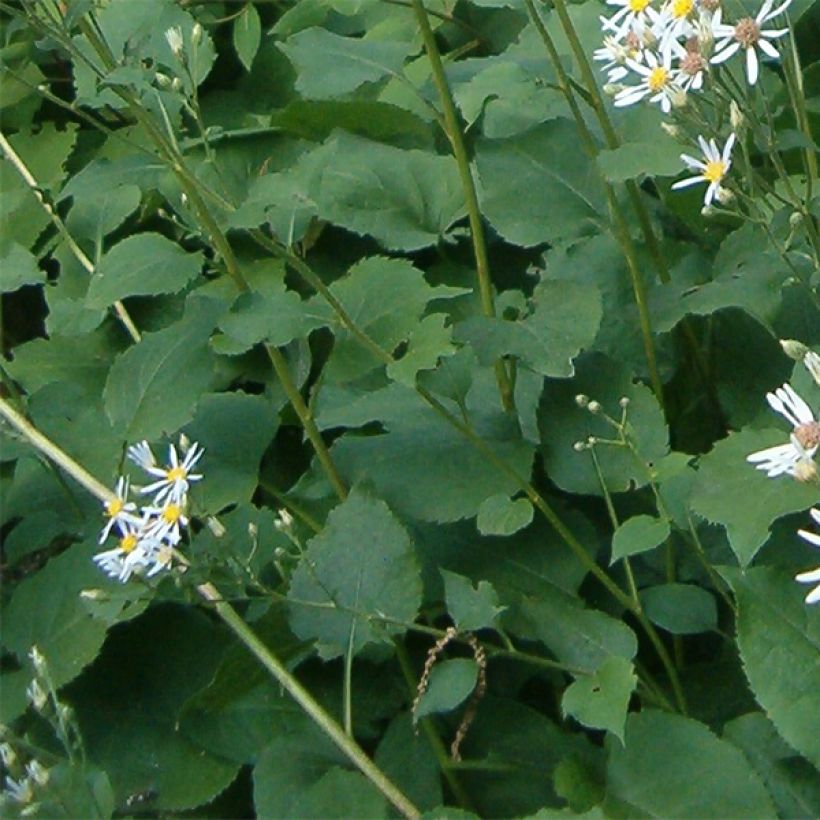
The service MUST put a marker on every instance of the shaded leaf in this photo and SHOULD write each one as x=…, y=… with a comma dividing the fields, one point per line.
x=470, y=607
x=500, y=515
x=451, y=683
x=640, y=533
x=682, y=609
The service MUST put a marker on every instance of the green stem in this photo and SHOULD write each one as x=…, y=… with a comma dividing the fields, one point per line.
x=232, y=619
x=454, y=135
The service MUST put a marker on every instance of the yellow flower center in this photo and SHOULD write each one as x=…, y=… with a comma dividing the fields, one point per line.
x=128, y=542
x=637, y=6
x=657, y=78
x=114, y=507
x=172, y=513
x=682, y=8
x=714, y=170
x=176, y=474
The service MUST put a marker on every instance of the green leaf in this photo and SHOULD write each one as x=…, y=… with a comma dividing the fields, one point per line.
x=470, y=607
x=18, y=267
x=792, y=781
x=640, y=533
x=539, y=186
x=277, y=316
x=75, y=791
x=153, y=386
x=143, y=264
x=45, y=609
x=726, y=482
x=407, y=758
x=95, y=216
x=500, y=515
x=384, y=297
x=673, y=766
x=600, y=700
x=247, y=34
x=406, y=200
x=682, y=609
x=328, y=65
x=658, y=158
x=361, y=564
x=430, y=341
x=779, y=640
x=563, y=423
x=301, y=775
x=579, y=637
x=427, y=470
x=235, y=429
x=565, y=320
x=147, y=670
x=451, y=683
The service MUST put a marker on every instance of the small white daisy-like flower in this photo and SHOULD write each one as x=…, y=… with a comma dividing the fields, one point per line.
x=812, y=576
x=713, y=167
x=797, y=457
x=812, y=362
x=19, y=790
x=119, y=510
x=166, y=522
x=132, y=552
x=632, y=16
x=37, y=772
x=748, y=33
x=658, y=83
x=676, y=20
x=614, y=54
x=175, y=479
x=691, y=66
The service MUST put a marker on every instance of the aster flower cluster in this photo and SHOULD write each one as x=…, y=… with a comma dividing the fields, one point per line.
x=797, y=457
x=148, y=536
x=661, y=51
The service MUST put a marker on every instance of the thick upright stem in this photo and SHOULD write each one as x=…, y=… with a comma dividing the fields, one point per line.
x=456, y=139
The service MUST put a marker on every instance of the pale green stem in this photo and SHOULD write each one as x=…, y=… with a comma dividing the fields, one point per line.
x=234, y=622
x=21, y=168
x=453, y=130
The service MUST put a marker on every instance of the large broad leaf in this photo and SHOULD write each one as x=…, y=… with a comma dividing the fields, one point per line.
x=385, y=298
x=579, y=637
x=147, y=671
x=779, y=640
x=682, y=609
x=540, y=186
x=406, y=200
x=141, y=265
x=45, y=609
x=94, y=216
x=153, y=387
x=328, y=65
x=362, y=564
x=302, y=775
x=563, y=423
x=672, y=766
x=726, y=482
x=564, y=321
x=426, y=469
x=235, y=429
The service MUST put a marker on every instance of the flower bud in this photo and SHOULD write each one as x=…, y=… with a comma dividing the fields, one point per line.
x=805, y=471
x=624, y=402
x=37, y=772
x=724, y=196
x=736, y=116
x=7, y=755
x=36, y=695
x=94, y=595
x=611, y=89
x=794, y=349
x=812, y=362
x=579, y=446
x=707, y=211
x=196, y=35
x=173, y=36
x=163, y=80
x=678, y=97
x=594, y=407
x=176, y=84
x=796, y=220
x=581, y=400
x=38, y=660
x=671, y=129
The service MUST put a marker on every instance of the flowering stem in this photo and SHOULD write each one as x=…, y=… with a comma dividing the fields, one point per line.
x=21, y=168
x=454, y=135
x=232, y=619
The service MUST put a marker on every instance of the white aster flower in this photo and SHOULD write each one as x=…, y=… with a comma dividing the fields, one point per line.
x=748, y=33
x=658, y=83
x=614, y=54
x=632, y=16
x=812, y=362
x=132, y=553
x=812, y=576
x=175, y=479
x=19, y=790
x=165, y=523
x=119, y=510
x=676, y=20
x=37, y=772
x=797, y=457
x=713, y=167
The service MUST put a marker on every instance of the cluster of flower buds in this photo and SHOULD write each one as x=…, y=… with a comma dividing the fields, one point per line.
x=797, y=458
x=148, y=537
x=661, y=54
